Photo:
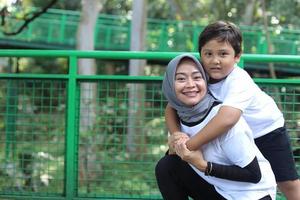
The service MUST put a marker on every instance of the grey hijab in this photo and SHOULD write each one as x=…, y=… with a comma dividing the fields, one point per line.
x=185, y=113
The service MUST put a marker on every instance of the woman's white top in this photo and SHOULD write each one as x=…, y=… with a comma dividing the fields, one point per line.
x=236, y=147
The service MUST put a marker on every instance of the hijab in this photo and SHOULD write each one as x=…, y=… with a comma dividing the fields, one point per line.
x=187, y=114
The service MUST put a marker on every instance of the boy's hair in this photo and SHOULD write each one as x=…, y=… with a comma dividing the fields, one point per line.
x=224, y=32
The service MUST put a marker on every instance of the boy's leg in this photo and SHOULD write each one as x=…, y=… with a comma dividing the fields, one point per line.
x=177, y=180
x=291, y=189
x=276, y=148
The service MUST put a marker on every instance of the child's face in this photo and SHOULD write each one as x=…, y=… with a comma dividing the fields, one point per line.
x=218, y=59
x=190, y=87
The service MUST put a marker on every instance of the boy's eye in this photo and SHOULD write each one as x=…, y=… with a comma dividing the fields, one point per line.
x=223, y=53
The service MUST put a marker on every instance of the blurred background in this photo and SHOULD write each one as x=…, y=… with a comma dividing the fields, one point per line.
x=117, y=124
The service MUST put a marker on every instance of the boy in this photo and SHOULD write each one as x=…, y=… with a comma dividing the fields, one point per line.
x=220, y=50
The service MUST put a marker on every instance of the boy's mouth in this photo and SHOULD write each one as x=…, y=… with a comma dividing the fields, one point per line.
x=215, y=69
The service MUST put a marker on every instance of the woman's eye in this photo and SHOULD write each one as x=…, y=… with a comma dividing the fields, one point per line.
x=198, y=77
x=180, y=79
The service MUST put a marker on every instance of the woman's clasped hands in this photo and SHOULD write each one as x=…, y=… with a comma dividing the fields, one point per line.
x=177, y=145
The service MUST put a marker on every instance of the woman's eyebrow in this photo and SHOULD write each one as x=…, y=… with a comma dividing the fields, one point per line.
x=196, y=72
x=179, y=73
x=184, y=74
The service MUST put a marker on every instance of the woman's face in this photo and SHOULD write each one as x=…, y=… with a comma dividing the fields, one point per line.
x=190, y=87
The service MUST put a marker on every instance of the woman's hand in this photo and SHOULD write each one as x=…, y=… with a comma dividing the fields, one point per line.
x=173, y=140
x=193, y=157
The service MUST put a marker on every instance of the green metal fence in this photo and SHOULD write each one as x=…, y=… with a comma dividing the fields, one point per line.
x=56, y=29
x=70, y=136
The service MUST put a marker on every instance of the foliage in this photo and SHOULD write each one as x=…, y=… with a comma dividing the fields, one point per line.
x=104, y=164
x=111, y=169
x=280, y=13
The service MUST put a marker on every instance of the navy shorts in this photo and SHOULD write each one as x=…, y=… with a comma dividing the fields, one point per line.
x=276, y=148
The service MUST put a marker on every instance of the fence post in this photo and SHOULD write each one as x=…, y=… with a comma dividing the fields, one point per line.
x=70, y=176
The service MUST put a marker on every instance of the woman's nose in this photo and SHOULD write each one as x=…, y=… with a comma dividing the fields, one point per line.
x=190, y=83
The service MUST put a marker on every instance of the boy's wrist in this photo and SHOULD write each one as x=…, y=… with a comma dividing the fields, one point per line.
x=191, y=146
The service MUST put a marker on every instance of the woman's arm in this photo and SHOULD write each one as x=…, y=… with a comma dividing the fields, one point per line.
x=250, y=173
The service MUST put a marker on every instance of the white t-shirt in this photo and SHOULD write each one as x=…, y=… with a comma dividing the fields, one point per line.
x=259, y=110
x=235, y=148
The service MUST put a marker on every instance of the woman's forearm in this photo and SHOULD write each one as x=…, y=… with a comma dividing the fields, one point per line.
x=251, y=173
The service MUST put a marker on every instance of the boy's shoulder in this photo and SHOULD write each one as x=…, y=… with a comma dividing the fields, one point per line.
x=239, y=74
x=238, y=80
x=239, y=70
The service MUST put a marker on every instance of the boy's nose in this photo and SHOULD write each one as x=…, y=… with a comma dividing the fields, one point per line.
x=216, y=60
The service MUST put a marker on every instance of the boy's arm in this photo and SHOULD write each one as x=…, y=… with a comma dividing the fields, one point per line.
x=224, y=120
x=172, y=120
x=172, y=123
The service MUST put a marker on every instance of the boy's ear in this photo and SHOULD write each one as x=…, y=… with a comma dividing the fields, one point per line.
x=238, y=57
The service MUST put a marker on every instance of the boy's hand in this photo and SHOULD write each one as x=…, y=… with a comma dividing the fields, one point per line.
x=175, y=137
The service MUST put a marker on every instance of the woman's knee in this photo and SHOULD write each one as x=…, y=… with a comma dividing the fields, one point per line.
x=166, y=164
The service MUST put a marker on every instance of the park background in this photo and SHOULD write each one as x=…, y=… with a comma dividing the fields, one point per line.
x=119, y=130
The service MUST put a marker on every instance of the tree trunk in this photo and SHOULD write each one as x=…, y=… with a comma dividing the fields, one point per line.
x=268, y=38
x=270, y=51
x=85, y=41
x=248, y=16
x=136, y=67
x=87, y=157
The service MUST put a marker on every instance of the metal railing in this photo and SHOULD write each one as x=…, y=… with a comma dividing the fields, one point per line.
x=47, y=151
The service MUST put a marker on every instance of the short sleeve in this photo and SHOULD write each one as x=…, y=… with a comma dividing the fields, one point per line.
x=238, y=91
